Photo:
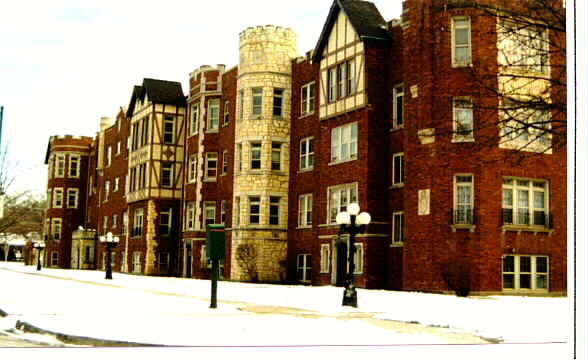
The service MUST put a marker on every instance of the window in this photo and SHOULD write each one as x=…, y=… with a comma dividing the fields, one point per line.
x=192, y=169
x=125, y=227
x=325, y=258
x=522, y=47
x=195, y=119
x=116, y=184
x=305, y=210
x=463, y=120
x=74, y=166
x=163, y=263
x=303, y=267
x=344, y=143
x=525, y=273
x=211, y=166
x=339, y=197
x=398, y=228
x=307, y=99
x=237, y=210
x=225, y=167
x=239, y=157
x=254, y=209
x=133, y=182
x=241, y=103
x=106, y=190
x=118, y=147
x=191, y=216
x=524, y=127
x=213, y=114
x=398, y=169
x=165, y=221
x=50, y=167
x=56, y=229
x=209, y=212
x=278, y=103
x=114, y=221
x=167, y=174
x=276, y=156
x=136, y=262
x=255, y=155
x=143, y=176
x=524, y=202
x=226, y=114
x=105, y=224
x=108, y=156
x=463, y=200
x=307, y=153
x=72, y=198
x=461, y=40
x=342, y=80
x=138, y=223
x=223, y=211
x=169, y=131
x=257, y=103
x=60, y=169
x=145, y=131
x=54, y=258
x=274, y=210
x=358, y=258
x=398, y=107
x=57, y=197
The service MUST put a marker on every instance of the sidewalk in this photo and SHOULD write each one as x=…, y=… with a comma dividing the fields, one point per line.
x=84, y=308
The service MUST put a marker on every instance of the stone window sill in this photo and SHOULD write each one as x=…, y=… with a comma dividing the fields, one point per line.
x=470, y=227
x=523, y=228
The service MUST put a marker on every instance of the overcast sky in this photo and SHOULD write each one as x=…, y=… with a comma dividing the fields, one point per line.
x=66, y=63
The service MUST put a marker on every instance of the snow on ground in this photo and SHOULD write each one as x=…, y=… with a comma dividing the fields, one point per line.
x=175, y=311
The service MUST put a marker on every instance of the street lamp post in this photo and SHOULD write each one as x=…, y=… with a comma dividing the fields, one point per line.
x=39, y=246
x=110, y=242
x=352, y=222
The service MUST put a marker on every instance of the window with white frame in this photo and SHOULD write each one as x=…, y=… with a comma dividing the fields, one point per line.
x=305, y=210
x=165, y=222
x=116, y=184
x=307, y=153
x=344, y=143
x=398, y=169
x=138, y=223
x=325, y=258
x=257, y=101
x=209, y=212
x=524, y=127
x=125, y=224
x=254, y=210
x=307, y=99
x=213, y=114
x=223, y=211
x=145, y=130
x=341, y=80
x=255, y=155
x=461, y=41
x=193, y=162
x=72, y=198
x=195, y=119
x=358, y=258
x=118, y=147
x=203, y=258
x=276, y=156
x=226, y=113
x=109, y=156
x=463, y=212
x=167, y=174
x=304, y=268
x=525, y=202
x=57, y=197
x=60, y=168
x=522, y=47
x=105, y=224
x=225, y=167
x=278, y=104
x=237, y=210
x=106, y=190
x=136, y=262
x=463, y=120
x=114, y=221
x=525, y=273
x=339, y=197
x=274, y=210
x=56, y=228
x=211, y=166
x=74, y=166
x=191, y=215
x=398, y=106
x=398, y=228
x=169, y=129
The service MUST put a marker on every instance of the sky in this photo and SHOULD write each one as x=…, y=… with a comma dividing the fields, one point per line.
x=66, y=63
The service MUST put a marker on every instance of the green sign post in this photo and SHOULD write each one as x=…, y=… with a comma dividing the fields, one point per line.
x=215, y=251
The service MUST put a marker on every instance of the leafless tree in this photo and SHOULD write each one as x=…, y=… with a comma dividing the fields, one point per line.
x=247, y=259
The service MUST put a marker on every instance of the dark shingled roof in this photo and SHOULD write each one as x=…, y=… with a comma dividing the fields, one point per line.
x=365, y=18
x=158, y=91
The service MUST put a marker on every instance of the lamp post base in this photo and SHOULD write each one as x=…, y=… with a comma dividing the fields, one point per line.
x=350, y=297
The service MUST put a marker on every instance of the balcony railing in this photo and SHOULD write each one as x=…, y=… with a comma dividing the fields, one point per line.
x=464, y=216
x=525, y=218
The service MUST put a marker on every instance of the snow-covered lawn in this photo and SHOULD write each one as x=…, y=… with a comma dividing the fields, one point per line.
x=175, y=311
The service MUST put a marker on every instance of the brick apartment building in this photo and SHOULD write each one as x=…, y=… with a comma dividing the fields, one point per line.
x=391, y=115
